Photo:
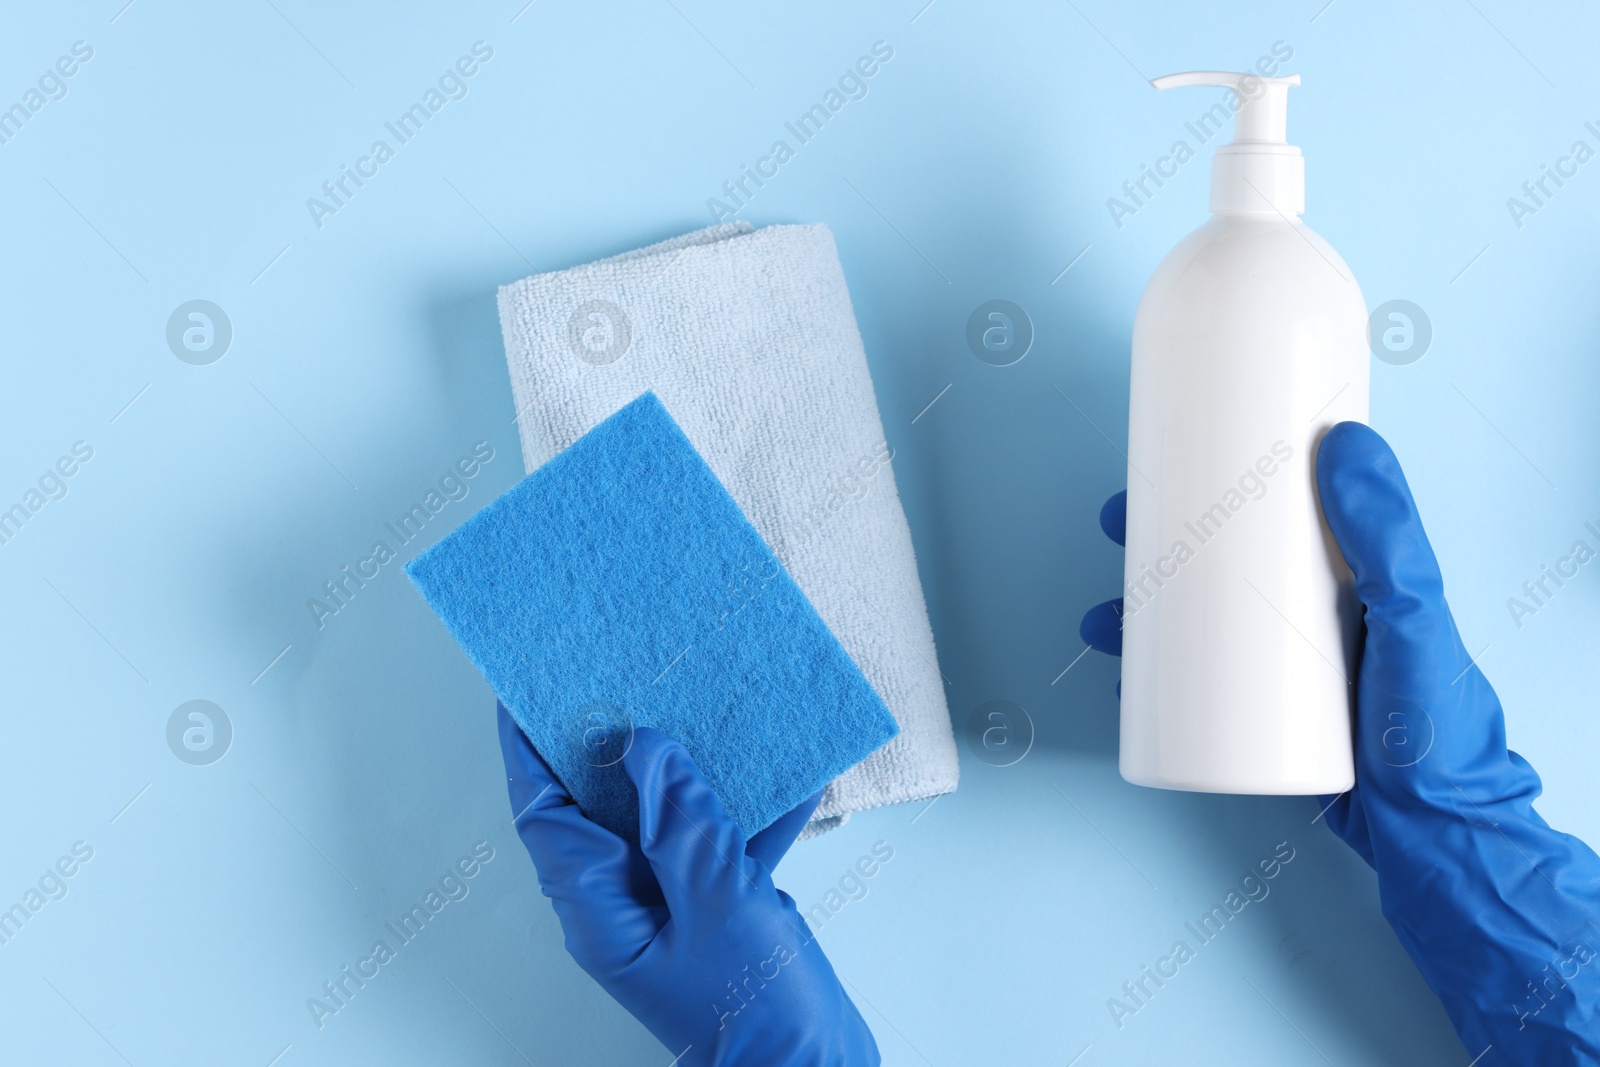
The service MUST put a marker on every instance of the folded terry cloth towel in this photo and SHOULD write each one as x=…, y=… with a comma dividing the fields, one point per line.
x=749, y=338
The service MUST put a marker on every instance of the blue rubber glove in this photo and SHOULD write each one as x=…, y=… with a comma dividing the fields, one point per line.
x=686, y=929
x=1500, y=912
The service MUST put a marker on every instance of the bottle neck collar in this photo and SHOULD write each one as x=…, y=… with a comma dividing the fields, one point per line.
x=1258, y=179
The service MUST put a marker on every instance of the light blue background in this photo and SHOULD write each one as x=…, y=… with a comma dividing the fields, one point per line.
x=367, y=357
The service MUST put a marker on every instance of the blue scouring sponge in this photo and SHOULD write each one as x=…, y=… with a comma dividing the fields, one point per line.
x=619, y=585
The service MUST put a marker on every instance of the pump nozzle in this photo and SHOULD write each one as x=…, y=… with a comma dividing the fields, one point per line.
x=1258, y=171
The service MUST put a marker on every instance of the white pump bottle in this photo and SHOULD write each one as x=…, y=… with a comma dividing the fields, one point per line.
x=1249, y=343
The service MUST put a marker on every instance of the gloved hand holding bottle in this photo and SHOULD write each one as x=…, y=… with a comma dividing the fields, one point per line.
x=1500, y=912
x=686, y=929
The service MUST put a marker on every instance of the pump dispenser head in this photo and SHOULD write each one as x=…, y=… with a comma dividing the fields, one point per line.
x=1258, y=172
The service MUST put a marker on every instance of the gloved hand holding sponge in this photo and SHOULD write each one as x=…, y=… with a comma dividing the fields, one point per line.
x=685, y=928
x=626, y=613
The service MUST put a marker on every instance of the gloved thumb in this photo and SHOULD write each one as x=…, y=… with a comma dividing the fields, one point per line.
x=1374, y=518
x=696, y=851
x=772, y=844
x=1418, y=686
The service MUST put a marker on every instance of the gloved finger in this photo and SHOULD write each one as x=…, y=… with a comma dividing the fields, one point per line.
x=599, y=883
x=1114, y=517
x=772, y=844
x=1101, y=628
x=1412, y=649
x=697, y=852
x=528, y=777
x=1428, y=723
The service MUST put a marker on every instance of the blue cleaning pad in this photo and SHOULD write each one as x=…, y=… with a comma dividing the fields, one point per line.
x=619, y=585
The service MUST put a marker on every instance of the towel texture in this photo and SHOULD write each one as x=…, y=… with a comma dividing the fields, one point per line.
x=620, y=586
x=750, y=340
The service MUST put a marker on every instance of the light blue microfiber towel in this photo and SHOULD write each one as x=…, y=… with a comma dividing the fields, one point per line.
x=749, y=338
x=619, y=585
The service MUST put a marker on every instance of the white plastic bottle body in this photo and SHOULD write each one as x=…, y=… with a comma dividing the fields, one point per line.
x=1239, y=620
